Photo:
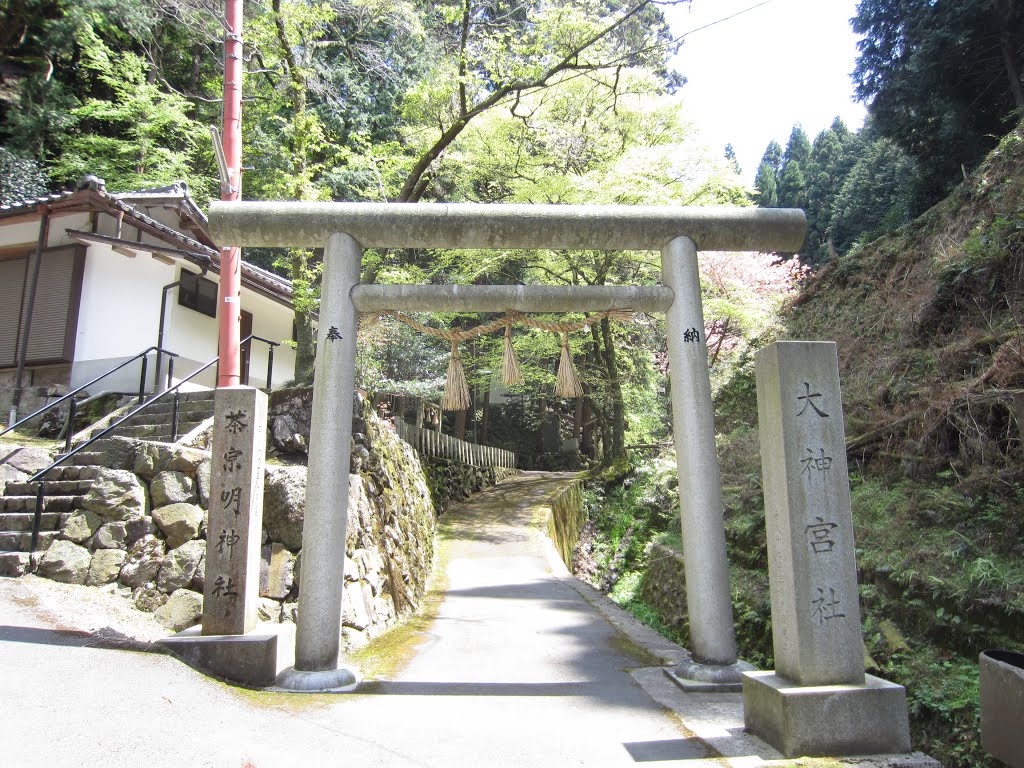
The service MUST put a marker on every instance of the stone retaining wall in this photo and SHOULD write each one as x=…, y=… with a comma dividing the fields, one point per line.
x=664, y=587
x=451, y=482
x=141, y=531
x=565, y=520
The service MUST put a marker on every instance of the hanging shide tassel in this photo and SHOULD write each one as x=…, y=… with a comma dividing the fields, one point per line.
x=510, y=373
x=567, y=384
x=456, y=391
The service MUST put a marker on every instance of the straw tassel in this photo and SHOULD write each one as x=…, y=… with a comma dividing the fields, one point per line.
x=456, y=391
x=510, y=373
x=567, y=384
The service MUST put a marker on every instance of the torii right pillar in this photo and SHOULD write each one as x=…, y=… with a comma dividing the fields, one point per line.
x=713, y=666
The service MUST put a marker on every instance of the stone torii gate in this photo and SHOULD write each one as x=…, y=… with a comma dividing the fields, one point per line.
x=345, y=229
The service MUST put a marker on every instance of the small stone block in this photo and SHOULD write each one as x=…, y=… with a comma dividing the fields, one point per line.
x=826, y=720
x=255, y=658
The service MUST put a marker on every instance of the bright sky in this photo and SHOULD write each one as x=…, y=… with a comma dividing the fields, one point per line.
x=750, y=78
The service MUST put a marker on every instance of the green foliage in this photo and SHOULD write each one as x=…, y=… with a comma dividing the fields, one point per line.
x=626, y=594
x=875, y=197
x=20, y=178
x=629, y=511
x=135, y=136
x=942, y=81
x=767, y=195
x=855, y=187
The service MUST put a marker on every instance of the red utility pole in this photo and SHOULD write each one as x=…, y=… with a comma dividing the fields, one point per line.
x=229, y=293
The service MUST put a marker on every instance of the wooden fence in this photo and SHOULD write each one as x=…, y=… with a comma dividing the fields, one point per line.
x=430, y=442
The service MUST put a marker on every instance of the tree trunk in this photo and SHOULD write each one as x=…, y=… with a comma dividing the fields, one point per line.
x=616, y=446
x=305, y=347
x=1012, y=72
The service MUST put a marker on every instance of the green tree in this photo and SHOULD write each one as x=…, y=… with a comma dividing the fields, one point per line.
x=798, y=148
x=767, y=194
x=730, y=155
x=495, y=54
x=766, y=182
x=791, y=181
x=61, y=64
x=135, y=134
x=875, y=197
x=833, y=154
x=943, y=80
x=792, y=186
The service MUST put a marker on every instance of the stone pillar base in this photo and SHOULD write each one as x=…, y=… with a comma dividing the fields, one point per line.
x=255, y=658
x=694, y=677
x=340, y=680
x=826, y=720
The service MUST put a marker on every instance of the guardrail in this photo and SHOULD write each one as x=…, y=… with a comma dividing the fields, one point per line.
x=143, y=405
x=430, y=442
x=72, y=408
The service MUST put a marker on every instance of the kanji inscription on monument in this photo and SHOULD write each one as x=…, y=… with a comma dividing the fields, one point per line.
x=812, y=572
x=236, y=511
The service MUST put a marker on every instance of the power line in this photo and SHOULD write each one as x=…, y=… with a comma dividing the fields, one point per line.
x=726, y=18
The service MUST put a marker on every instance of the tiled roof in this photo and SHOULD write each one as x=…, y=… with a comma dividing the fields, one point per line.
x=32, y=202
x=116, y=202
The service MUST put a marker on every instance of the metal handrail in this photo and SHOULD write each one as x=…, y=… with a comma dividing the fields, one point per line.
x=38, y=518
x=102, y=376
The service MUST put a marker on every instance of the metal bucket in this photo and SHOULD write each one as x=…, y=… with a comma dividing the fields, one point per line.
x=1002, y=705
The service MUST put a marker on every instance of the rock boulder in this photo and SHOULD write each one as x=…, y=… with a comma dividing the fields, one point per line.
x=170, y=487
x=143, y=562
x=179, y=522
x=105, y=566
x=65, y=561
x=179, y=567
x=182, y=609
x=284, y=503
x=116, y=494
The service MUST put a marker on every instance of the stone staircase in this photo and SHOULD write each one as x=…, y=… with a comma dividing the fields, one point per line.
x=64, y=487
x=154, y=423
x=63, y=490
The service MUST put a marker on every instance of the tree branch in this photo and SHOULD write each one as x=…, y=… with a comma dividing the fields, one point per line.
x=569, y=62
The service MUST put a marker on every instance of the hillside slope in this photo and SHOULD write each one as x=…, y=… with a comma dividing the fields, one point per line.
x=928, y=325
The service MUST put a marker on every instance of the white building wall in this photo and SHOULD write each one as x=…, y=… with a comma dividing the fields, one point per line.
x=24, y=233
x=118, y=315
x=270, y=320
x=189, y=330
x=59, y=226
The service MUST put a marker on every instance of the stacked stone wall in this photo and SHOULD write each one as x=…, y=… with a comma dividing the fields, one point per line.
x=451, y=482
x=566, y=521
x=141, y=531
x=664, y=586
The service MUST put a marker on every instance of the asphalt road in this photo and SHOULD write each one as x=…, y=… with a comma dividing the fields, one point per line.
x=517, y=669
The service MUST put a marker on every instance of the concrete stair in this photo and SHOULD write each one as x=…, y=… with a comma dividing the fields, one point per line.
x=63, y=490
x=154, y=423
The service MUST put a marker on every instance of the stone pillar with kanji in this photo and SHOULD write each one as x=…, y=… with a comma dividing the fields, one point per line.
x=818, y=700
x=235, y=521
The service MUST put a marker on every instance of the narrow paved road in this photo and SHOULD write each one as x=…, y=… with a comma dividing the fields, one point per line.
x=517, y=669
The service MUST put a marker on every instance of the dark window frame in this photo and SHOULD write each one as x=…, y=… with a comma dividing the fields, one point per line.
x=198, y=294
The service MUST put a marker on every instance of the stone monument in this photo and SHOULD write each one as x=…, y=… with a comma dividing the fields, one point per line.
x=229, y=642
x=818, y=700
x=236, y=511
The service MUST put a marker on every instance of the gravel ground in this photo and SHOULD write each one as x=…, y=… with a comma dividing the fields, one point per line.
x=102, y=618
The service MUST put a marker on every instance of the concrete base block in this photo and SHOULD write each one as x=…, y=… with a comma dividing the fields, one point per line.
x=340, y=680
x=694, y=677
x=826, y=720
x=255, y=658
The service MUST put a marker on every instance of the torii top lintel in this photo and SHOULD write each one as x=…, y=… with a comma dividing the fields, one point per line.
x=494, y=226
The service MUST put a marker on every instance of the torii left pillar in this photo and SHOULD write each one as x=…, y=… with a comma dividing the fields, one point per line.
x=318, y=625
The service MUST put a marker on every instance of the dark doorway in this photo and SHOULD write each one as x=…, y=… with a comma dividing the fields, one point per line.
x=245, y=320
